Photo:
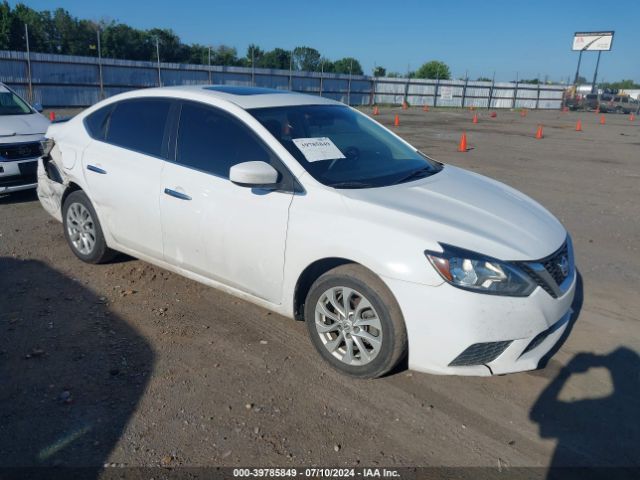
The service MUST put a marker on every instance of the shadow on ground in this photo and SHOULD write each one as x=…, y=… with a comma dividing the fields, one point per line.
x=72, y=373
x=597, y=433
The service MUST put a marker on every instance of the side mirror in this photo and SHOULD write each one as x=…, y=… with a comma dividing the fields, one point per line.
x=253, y=174
x=38, y=107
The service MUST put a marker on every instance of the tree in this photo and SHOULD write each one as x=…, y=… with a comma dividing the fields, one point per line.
x=486, y=79
x=254, y=56
x=347, y=65
x=276, y=58
x=379, y=72
x=434, y=69
x=620, y=85
x=306, y=59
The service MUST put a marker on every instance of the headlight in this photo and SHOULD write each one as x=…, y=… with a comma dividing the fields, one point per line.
x=478, y=273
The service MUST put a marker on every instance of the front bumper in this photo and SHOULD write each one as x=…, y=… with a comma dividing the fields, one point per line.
x=18, y=175
x=443, y=322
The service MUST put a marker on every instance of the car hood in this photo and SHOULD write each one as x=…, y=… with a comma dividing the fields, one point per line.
x=466, y=210
x=22, y=125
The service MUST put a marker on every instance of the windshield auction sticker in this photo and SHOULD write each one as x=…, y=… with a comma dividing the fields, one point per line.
x=316, y=149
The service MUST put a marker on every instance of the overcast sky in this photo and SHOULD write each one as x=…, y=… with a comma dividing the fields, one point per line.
x=511, y=37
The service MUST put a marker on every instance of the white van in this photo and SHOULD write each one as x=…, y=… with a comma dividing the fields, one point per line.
x=22, y=128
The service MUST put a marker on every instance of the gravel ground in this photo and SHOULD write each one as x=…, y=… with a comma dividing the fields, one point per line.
x=127, y=364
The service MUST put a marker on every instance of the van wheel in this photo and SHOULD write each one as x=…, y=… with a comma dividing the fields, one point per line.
x=82, y=229
x=355, y=322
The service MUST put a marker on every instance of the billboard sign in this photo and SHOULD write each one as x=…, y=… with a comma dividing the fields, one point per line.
x=592, y=41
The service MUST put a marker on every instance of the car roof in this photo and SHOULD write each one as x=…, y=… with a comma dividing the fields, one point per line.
x=242, y=96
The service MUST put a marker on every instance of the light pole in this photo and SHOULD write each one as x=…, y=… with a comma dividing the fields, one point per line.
x=100, y=64
x=26, y=36
x=158, y=55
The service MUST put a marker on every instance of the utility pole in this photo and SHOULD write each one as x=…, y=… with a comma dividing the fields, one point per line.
x=100, y=64
x=26, y=36
x=158, y=55
x=321, y=75
x=253, y=66
x=210, y=82
x=349, y=86
x=290, y=68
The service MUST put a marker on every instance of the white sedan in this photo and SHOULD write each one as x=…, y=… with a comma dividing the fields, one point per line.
x=311, y=209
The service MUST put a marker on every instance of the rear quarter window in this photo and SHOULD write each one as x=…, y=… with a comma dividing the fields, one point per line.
x=96, y=123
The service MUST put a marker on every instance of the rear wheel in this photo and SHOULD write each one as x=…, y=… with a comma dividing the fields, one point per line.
x=83, y=231
x=355, y=322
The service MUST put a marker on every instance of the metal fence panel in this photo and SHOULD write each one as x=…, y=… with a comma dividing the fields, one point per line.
x=65, y=80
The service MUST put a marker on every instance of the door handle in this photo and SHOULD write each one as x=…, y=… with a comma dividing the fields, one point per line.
x=173, y=193
x=99, y=170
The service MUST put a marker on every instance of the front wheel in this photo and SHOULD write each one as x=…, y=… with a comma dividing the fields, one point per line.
x=355, y=322
x=83, y=231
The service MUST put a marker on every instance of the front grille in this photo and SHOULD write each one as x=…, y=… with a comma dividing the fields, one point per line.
x=28, y=169
x=552, y=264
x=20, y=151
x=18, y=180
x=480, y=353
x=548, y=272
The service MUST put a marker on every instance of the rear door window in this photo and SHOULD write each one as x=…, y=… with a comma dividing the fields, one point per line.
x=139, y=125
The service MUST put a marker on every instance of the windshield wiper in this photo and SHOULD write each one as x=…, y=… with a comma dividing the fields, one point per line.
x=351, y=185
x=416, y=174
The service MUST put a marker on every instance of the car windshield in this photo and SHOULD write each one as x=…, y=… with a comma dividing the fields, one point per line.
x=342, y=148
x=12, y=104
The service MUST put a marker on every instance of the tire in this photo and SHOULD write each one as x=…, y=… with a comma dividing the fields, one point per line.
x=329, y=331
x=86, y=239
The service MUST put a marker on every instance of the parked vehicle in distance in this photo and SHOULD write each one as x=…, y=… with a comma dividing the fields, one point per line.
x=22, y=129
x=311, y=209
x=591, y=101
x=617, y=104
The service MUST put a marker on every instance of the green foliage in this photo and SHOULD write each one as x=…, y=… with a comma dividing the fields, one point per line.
x=620, y=85
x=434, y=69
x=379, y=72
x=347, y=65
x=485, y=79
x=306, y=59
x=58, y=31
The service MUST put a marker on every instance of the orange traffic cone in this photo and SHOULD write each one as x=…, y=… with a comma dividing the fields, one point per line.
x=425, y=108
x=539, y=133
x=52, y=116
x=405, y=105
x=462, y=147
x=475, y=118
x=376, y=110
x=579, y=125
x=632, y=117
x=602, y=120
x=396, y=121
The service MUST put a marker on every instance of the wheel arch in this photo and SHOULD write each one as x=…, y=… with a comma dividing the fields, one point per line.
x=309, y=275
x=71, y=187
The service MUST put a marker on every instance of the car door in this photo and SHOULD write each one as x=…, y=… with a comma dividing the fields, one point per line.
x=122, y=168
x=231, y=234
